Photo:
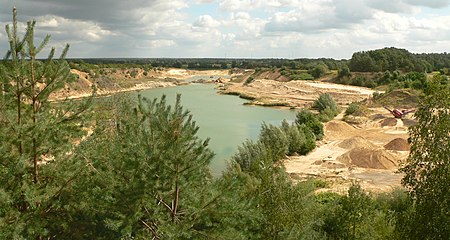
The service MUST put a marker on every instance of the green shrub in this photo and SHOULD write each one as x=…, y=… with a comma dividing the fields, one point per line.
x=249, y=80
x=275, y=140
x=319, y=71
x=251, y=156
x=325, y=100
x=296, y=138
x=310, y=137
x=356, y=109
x=327, y=114
x=307, y=118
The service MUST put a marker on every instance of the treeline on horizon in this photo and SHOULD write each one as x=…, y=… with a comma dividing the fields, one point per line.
x=380, y=60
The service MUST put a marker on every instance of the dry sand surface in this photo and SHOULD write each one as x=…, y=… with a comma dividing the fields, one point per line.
x=369, y=153
x=132, y=79
x=298, y=93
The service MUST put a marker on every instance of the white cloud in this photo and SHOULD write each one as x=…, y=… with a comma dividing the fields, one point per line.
x=429, y=3
x=161, y=43
x=64, y=29
x=235, y=28
x=206, y=21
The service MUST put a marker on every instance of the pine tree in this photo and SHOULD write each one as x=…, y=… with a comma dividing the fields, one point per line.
x=149, y=174
x=37, y=136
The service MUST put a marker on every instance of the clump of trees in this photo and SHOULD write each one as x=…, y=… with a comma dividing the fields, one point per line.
x=386, y=59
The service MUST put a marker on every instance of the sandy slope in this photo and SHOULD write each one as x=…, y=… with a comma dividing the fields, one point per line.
x=297, y=93
x=130, y=79
x=355, y=153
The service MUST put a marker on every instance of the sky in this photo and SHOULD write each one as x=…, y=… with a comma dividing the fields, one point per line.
x=233, y=28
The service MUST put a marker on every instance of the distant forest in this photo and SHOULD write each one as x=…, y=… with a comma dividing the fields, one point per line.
x=386, y=59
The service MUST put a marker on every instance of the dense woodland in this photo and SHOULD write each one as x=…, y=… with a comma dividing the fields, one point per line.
x=117, y=168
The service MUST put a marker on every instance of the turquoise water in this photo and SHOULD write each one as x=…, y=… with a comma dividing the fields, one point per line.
x=222, y=118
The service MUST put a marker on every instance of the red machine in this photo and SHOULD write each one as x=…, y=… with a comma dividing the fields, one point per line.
x=397, y=113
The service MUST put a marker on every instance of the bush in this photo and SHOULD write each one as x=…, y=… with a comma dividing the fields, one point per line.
x=326, y=106
x=344, y=72
x=307, y=118
x=251, y=156
x=325, y=100
x=310, y=142
x=275, y=141
x=318, y=71
x=296, y=138
x=249, y=80
x=327, y=115
x=355, y=109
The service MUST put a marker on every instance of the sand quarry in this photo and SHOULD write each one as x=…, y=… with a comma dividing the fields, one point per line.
x=369, y=153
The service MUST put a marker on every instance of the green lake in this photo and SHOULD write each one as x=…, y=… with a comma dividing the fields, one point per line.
x=222, y=118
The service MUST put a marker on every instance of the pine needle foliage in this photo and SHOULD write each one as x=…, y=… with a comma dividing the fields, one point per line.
x=36, y=136
x=149, y=174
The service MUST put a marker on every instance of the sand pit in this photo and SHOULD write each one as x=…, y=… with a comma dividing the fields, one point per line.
x=368, y=158
x=398, y=144
x=356, y=142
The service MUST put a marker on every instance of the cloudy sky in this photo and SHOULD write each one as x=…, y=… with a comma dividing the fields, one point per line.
x=235, y=28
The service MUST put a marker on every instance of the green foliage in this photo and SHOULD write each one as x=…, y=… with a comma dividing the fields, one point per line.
x=274, y=140
x=249, y=80
x=300, y=140
x=325, y=100
x=36, y=135
x=355, y=216
x=356, y=109
x=344, y=72
x=252, y=156
x=427, y=171
x=385, y=59
x=307, y=118
x=327, y=107
x=149, y=176
x=319, y=71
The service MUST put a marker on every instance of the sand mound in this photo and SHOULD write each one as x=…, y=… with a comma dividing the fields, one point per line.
x=378, y=117
x=368, y=158
x=338, y=129
x=409, y=122
x=356, y=142
x=398, y=144
x=338, y=126
x=391, y=122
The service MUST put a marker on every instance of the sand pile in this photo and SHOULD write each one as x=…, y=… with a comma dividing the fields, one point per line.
x=338, y=129
x=398, y=144
x=409, y=122
x=368, y=158
x=356, y=142
x=391, y=122
x=378, y=117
